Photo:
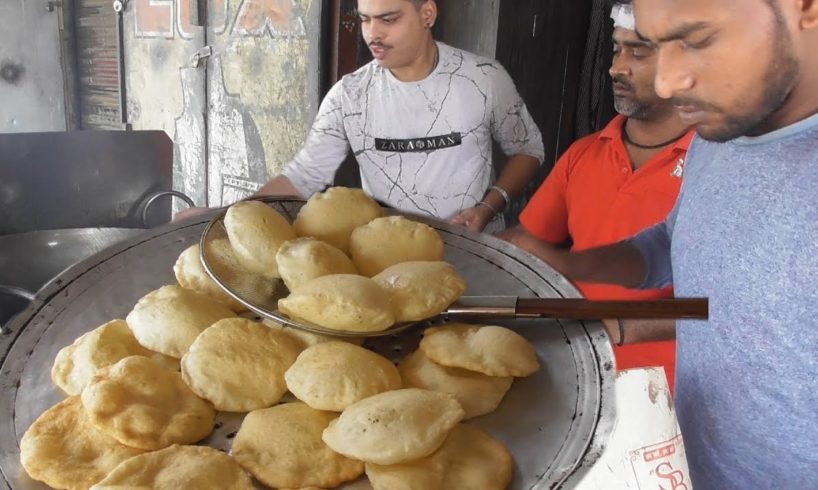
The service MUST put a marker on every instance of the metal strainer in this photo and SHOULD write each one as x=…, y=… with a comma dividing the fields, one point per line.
x=471, y=307
x=267, y=306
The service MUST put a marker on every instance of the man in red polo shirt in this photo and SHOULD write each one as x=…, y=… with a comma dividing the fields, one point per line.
x=614, y=183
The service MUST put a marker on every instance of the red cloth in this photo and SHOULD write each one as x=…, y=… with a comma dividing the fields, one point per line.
x=594, y=197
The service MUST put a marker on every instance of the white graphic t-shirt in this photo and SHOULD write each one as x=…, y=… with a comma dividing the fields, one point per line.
x=422, y=147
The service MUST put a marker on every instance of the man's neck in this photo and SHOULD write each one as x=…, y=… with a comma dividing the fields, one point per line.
x=649, y=132
x=421, y=67
x=801, y=103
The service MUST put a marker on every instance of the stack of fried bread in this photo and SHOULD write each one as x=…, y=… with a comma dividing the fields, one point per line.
x=145, y=390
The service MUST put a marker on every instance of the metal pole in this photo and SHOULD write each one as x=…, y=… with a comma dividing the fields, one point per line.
x=119, y=7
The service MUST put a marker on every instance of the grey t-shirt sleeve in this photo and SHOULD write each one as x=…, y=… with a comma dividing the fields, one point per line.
x=654, y=245
x=314, y=166
x=511, y=125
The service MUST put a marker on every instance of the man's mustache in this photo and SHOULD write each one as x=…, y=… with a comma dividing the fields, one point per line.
x=688, y=102
x=621, y=81
x=377, y=44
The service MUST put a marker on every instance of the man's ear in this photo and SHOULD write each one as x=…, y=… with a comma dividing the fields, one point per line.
x=428, y=12
x=809, y=14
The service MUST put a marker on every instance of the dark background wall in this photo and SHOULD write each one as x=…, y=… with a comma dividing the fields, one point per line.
x=470, y=25
x=542, y=43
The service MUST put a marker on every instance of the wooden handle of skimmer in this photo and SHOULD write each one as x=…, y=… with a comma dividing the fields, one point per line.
x=676, y=308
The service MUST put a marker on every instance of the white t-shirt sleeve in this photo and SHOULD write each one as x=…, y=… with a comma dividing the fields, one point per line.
x=314, y=166
x=511, y=124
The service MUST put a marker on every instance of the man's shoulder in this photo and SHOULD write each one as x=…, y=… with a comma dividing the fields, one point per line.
x=468, y=57
x=469, y=63
x=357, y=81
x=589, y=141
x=610, y=134
x=582, y=153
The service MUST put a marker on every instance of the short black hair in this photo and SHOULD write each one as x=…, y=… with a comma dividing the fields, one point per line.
x=417, y=3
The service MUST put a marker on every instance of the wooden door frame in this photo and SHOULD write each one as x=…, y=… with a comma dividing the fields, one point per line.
x=343, y=55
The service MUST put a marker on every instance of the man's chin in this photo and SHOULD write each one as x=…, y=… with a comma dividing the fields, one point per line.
x=719, y=133
x=385, y=64
x=627, y=106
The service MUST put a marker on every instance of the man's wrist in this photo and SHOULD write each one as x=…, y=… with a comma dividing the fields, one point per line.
x=488, y=208
x=621, y=324
x=503, y=194
x=615, y=330
x=495, y=200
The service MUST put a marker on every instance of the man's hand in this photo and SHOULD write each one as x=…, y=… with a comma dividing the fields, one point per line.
x=279, y=186
x=475, y=218
x=556, y=257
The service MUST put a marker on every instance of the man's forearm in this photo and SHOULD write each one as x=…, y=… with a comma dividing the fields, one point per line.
x=517, y=173
x=620, y=263
x=278, y=186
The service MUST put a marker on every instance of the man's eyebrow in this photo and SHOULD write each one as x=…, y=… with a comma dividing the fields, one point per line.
x=634, y=44
x=678, y=33
x=379, y=16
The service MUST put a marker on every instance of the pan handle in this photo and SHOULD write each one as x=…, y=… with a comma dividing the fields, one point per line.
x=149, y=200
x=675, y=308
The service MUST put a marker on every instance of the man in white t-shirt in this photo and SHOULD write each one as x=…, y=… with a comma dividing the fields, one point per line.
x=420, y=120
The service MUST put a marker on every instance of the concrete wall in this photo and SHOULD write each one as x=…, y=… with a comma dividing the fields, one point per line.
x=263, y=93
x=158, y=49
x=470, y=25
x=31, y=76
x=239, y=116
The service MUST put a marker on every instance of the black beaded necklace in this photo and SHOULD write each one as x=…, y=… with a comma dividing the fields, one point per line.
x=629, y=141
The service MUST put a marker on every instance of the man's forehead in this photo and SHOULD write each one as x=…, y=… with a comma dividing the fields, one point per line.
x=374, y=8
x=622, y=35
x=658, y=19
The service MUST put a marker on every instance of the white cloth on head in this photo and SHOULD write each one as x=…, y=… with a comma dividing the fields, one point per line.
x=622, y=15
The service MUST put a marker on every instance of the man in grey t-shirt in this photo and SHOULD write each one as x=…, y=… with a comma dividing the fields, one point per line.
x=743, y=233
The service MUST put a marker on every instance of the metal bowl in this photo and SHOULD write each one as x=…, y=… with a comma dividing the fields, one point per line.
x=29, y=260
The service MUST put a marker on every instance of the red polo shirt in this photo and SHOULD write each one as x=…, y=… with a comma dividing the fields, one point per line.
x=595, y=197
